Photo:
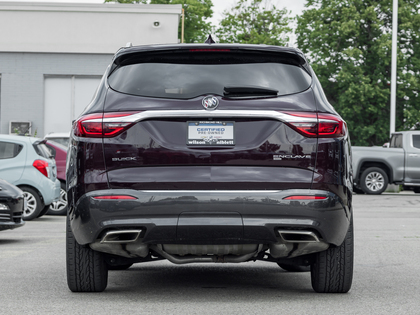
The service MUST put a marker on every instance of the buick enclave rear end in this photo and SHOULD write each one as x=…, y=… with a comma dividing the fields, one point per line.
x=209, y=153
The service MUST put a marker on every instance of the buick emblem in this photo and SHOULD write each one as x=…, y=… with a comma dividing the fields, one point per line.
x=210, y=102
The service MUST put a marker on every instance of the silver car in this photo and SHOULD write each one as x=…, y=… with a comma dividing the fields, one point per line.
x=27, y=163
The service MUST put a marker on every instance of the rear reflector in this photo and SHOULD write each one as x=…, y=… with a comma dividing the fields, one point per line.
x=115, y=197
x=305, y=198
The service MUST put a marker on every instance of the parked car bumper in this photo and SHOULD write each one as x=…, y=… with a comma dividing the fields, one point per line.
x=11, y=208
x=11, y=225
x=51, y=191
x=205, y=217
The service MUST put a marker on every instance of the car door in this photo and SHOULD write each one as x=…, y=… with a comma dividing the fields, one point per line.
x=12, y=160
x=412, y=159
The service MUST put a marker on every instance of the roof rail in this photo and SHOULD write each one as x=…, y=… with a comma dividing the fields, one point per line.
x=128, y=45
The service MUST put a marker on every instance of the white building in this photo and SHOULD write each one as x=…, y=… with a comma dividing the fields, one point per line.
x=52, y=56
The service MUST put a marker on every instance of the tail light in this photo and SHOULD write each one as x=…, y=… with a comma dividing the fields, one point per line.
x=320, y=125
x=331, y=126
x=102, y=125
x=42, y=166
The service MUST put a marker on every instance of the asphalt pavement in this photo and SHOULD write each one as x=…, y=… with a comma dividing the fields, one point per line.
x=386, y=275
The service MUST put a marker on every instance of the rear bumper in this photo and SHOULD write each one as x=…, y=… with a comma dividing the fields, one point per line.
x=12, y=217
x=210, y=217
x=53, y=192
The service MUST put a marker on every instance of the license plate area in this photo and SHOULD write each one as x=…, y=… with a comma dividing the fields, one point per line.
x=210, y=133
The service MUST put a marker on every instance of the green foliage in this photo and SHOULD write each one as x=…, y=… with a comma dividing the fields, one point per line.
x=255, y=22
x=196, y=28
x=349, y=45
x=126, y=1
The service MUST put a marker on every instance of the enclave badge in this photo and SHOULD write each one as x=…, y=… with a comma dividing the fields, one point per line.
x=210, y=102
x=277, y=157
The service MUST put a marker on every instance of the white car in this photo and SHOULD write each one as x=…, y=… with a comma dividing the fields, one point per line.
x=27, y=163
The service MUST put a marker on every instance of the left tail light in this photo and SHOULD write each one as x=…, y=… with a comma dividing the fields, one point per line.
x=106, y=125
x=42, y=166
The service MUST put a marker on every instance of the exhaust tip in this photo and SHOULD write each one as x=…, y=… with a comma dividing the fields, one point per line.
x=298, y=236
x=123, y=236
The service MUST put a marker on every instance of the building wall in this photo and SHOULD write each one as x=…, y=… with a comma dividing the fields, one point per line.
x=22, y=83
x=72, y=93
x=43, y=42
x=85, y=28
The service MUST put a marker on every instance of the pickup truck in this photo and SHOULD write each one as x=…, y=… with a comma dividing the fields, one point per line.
x=376, y=167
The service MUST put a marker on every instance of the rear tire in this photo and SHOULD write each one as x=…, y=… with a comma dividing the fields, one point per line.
x=374, y=181
x=332, y=271
x=86, y=268
x=417, y=190
x=34, y=205
x=44, y=211
x=358, y=190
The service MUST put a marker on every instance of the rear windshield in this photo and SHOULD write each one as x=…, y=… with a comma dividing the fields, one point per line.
x=191, y=74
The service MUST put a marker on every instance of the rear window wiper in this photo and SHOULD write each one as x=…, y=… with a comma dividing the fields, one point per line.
x=244, y=91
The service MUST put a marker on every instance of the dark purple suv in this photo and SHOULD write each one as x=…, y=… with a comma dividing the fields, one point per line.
x=218, y=153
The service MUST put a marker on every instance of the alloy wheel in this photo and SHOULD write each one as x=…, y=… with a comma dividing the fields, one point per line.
x=61, y=203
x=31, y=204
x=375, y=181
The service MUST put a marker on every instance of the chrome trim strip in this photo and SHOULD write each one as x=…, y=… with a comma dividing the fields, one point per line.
x=196, y=114
x=328, y=121
x=99, y=120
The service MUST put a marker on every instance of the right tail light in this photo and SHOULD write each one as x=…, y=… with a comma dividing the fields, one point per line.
x=319, y=125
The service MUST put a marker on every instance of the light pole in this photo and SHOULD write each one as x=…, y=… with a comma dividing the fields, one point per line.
x=394, y=65
x=182, y=26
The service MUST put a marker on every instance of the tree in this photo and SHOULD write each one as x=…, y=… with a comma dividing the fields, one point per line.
x=348, y=43
x=255, y=22
x=196, y=28
x=126, y=1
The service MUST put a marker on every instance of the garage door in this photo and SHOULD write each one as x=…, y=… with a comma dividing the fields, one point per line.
x=65, y=97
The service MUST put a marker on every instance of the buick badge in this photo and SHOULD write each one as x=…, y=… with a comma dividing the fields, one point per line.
x=210, y=102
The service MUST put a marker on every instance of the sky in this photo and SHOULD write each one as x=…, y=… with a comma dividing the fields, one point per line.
x=296, y=6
